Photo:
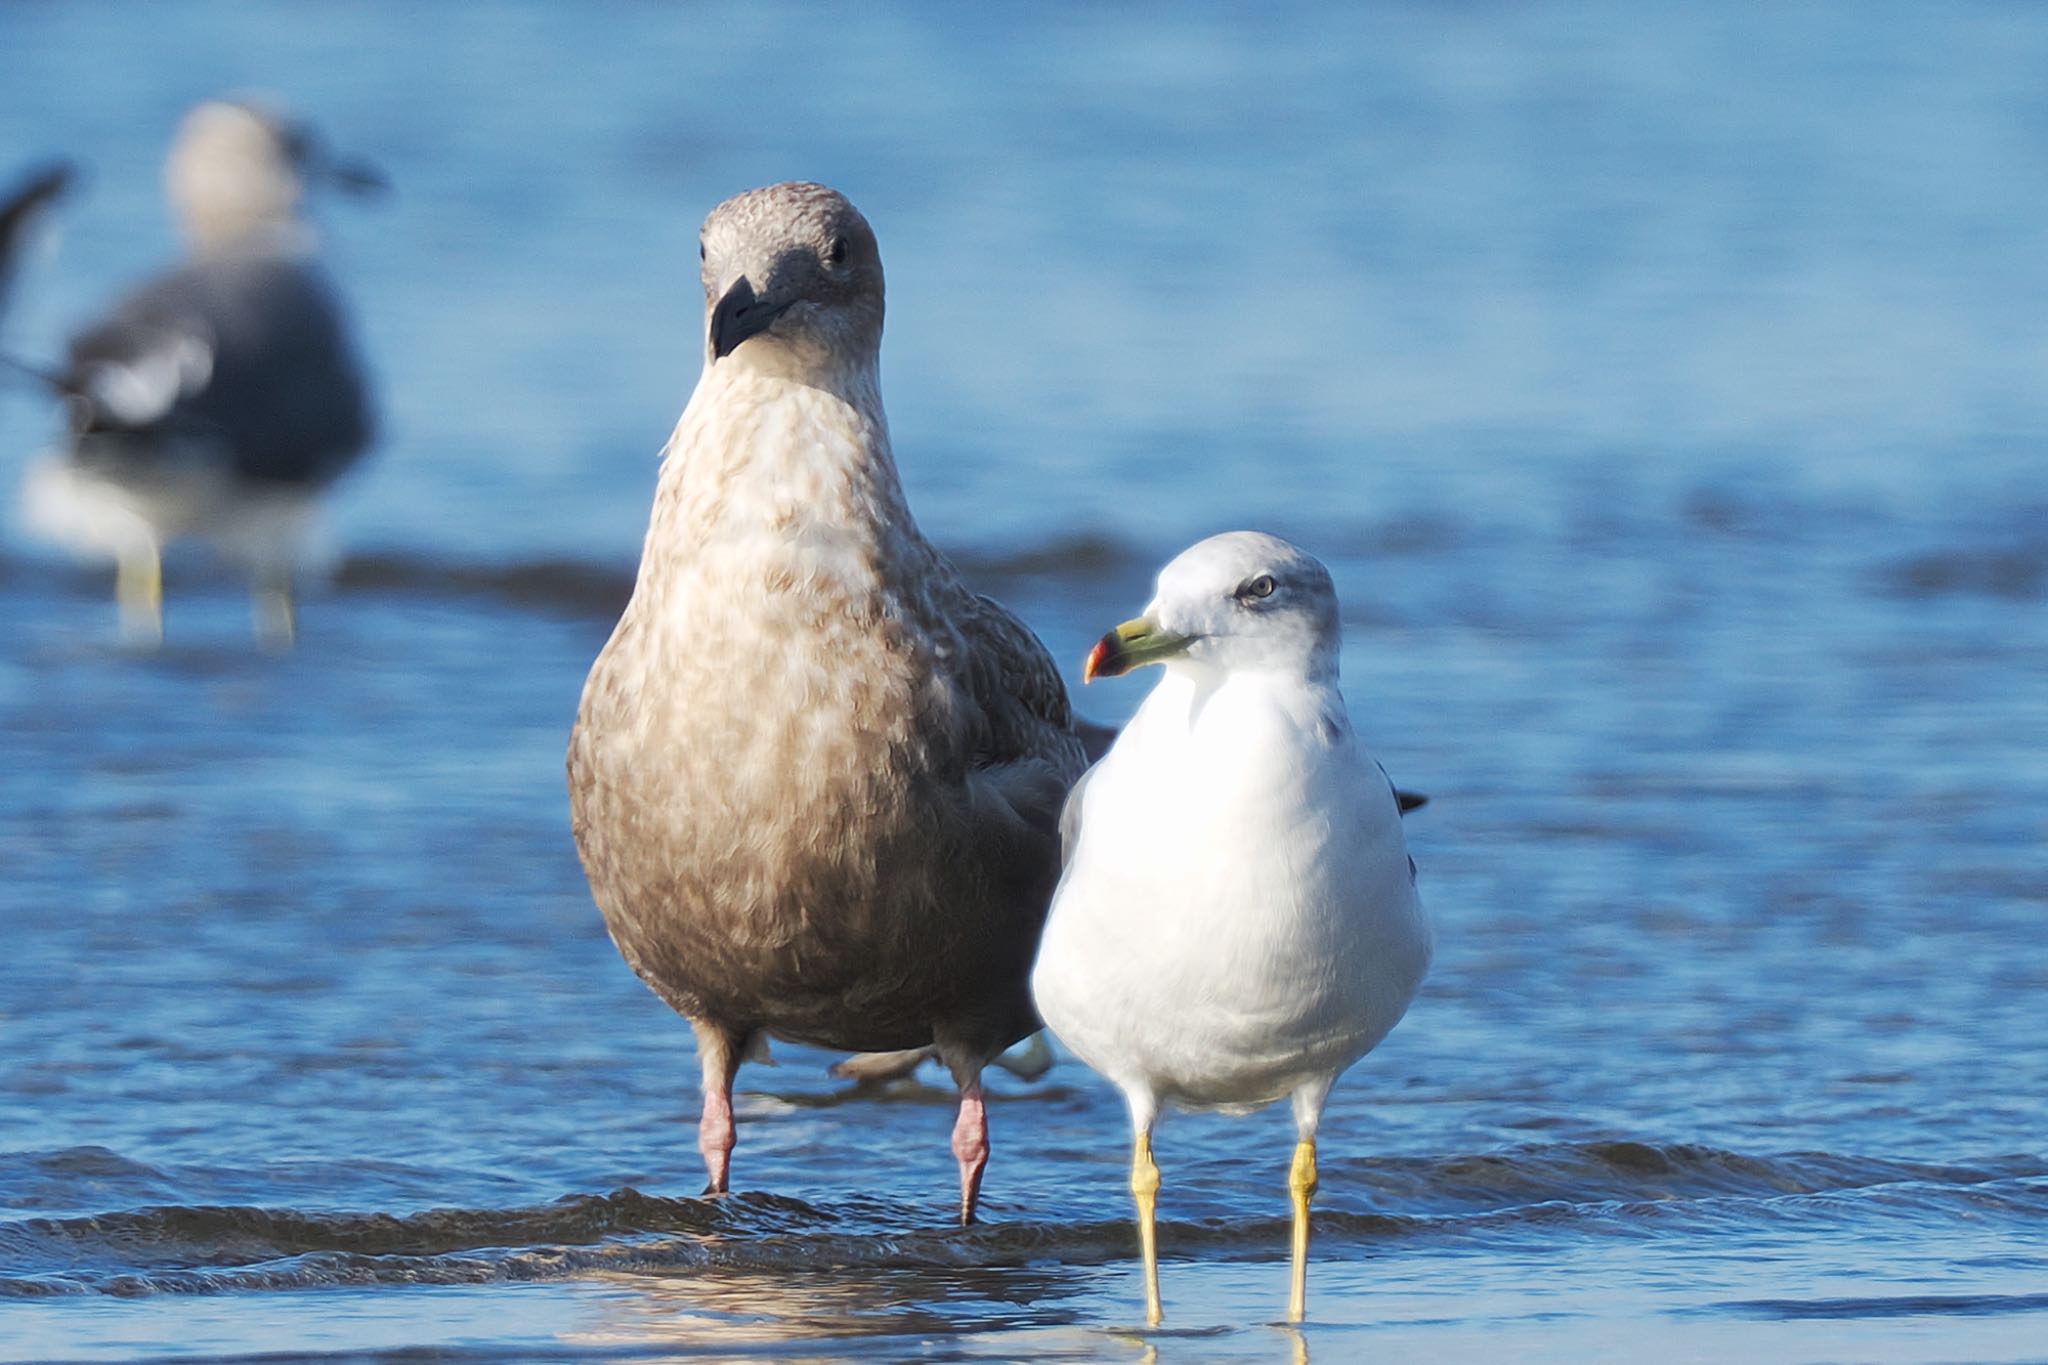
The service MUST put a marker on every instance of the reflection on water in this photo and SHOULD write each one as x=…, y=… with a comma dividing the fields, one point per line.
x=724, y=1307
x=833, y=1313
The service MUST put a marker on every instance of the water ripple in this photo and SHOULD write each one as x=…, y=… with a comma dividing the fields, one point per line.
x=1600, y=1189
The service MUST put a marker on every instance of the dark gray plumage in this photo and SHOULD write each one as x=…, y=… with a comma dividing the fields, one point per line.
x=815, y=780
x=282, y=401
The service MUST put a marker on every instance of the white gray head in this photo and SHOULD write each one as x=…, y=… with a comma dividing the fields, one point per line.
x=240, y=167
x=792, y=279
x=1243, y=601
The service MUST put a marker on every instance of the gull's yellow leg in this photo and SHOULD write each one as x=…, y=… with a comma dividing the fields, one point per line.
x=1145, y=1189
x=1301, y=1183
x=139, y=589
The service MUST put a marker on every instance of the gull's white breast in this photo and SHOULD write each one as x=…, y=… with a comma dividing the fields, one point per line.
x=1238, y=916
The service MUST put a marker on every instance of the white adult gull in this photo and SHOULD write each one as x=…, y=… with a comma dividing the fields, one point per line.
x=218, y=400
x=1238, y=921
x=815, y=781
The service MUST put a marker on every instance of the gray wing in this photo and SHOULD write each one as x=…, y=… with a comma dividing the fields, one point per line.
x=1403, y=803
x=247, y=352
x=1011, y=676
x=1024, y=741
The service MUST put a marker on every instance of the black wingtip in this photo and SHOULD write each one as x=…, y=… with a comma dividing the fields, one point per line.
x=1408, y=801
x=40, y=188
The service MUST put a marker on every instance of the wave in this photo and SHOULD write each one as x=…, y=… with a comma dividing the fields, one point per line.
x=1603, y=1188
x=2012, y=572
x=1900, y=1306
x=582, y=588
x=574, y=588
x=598, y=589
x=564, y=587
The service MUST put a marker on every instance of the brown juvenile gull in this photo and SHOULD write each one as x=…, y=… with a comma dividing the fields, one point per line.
x=815, y=781
x=220, y=399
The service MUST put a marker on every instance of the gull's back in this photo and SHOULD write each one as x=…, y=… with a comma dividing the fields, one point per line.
x=244, y=353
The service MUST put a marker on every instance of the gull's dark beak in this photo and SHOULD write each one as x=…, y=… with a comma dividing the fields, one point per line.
x=316, y=160
x=1132, y=645
x=739, y=315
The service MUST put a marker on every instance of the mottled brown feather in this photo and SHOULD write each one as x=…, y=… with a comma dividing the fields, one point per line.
x=815, y=780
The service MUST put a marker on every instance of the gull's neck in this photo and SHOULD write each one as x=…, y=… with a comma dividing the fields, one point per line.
x=853, y=375
x=266, y=236
x=1191, y=691
x=773, y=403
x=772, y=453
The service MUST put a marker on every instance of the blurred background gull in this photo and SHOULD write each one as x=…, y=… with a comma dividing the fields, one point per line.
x=216, y=401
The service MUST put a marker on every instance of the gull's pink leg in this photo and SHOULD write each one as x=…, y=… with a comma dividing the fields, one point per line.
x=715, y=1139
x=970, y=1145
x=718, y=1053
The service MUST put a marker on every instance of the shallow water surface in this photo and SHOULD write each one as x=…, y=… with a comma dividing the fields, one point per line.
x=1661, y=384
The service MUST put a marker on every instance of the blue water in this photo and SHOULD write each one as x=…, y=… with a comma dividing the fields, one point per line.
x=1664, y=385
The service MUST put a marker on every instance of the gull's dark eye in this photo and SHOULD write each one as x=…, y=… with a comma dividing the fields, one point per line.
x=700, y=251
x=1262, y=586
x=836, y=253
